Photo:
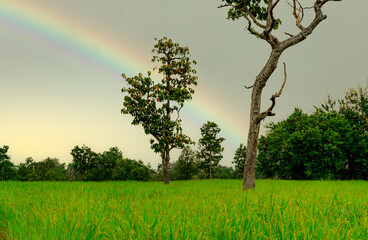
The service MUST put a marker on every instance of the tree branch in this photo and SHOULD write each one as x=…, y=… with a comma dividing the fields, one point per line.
x=225, y=5
x=250, y=29
x=269, y=112
x=319, y=17
x=271, y=21
x=297, y=18
x=247, y=12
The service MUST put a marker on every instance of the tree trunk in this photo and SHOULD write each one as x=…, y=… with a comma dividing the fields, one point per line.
x=210, y=166
x=255, y=121
x=165, y=164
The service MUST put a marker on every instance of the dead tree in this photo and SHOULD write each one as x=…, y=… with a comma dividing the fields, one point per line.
x=261, y=15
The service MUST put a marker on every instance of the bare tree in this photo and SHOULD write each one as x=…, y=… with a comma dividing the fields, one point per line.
x=260, y=13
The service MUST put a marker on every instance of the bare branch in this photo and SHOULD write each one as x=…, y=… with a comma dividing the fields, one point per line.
x=297, y=18
x=248, y=87
x=225, y=5
x=319, y=17
x=269, y=112
x=274, y=5
x=289, y=34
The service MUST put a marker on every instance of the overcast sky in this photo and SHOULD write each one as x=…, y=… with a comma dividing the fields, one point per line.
x=60, y=66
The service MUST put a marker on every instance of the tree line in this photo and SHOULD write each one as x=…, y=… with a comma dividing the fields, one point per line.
x=330, y=143
x=110, y=165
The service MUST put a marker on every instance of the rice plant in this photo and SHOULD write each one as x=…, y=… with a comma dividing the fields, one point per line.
x=216, y=209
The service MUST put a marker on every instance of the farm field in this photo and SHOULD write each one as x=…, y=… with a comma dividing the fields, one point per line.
x=216, y=209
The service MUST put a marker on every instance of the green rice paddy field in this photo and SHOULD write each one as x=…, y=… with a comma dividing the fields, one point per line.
x=216, y=209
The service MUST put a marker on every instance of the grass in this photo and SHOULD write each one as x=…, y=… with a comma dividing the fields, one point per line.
x=216, y=209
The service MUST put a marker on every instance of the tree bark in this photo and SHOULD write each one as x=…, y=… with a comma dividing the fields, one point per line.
x=210, y=167
x=255, y=121
x=165, y=165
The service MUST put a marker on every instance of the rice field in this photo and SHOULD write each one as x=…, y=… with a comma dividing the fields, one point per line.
x=216, y=209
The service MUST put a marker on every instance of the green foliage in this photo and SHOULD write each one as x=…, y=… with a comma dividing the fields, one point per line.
x=104, y=165
x=323, y=145
x=239, y=159
x=210, y=149
x=3, y=153
x=224, y=172
x=354, y=106
x=215, y=209
x=127, y=169
x=84, y=159
x=156, y=106
x=7, y=168
x=56, y=174
x=186, y=166
x=257, y=8
x=23, y=172
x=50, y=170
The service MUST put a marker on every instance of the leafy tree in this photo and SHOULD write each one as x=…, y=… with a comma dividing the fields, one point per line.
x=56, y=174
x=239, y=159
x=31, y=167
x=105, y=163
x=156, y=106
x=7, y=169
x=323, y=145
x=23, y=172
x=50, y=169
x=262, y=23
x=128, y=169
x=224, y=172
x=210, y=150
x=84, y=159
x=186, y=166
x=354, y=106
x=3, y=153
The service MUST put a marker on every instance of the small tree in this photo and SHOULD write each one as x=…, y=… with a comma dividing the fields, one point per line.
x=239, y=159
x=210, y=150
x=157, y=106
x=262, y=23
x=186, y=166
x=7, y=170
x=3, y=153
x=83, y=159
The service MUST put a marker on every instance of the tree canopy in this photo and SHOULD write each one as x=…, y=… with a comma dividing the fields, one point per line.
x=210, y=149
x=84, y=159
x=239, y=158
x=156, y=106
x=323, y=145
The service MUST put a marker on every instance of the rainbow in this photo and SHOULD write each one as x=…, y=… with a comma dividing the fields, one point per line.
x=100, y=52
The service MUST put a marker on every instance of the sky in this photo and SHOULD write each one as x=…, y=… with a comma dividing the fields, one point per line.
x=61, y=64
